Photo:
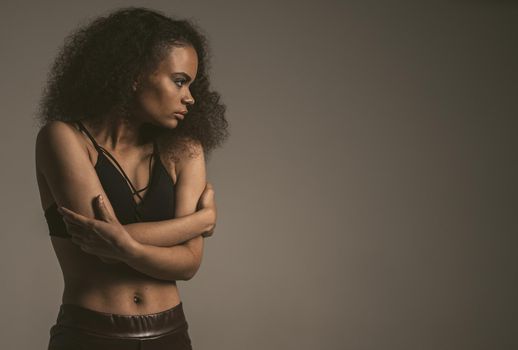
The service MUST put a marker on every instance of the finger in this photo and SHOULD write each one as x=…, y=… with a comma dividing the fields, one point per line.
x=74, y=240
x=104, y=214
x=89, y=234
x=74, y=228
x=85, y=248
x=86, y=224
x=101, y=231
x=73, y=216
x=82, y=234
x=77, y=241
x=77, y=228
x=76, y=235
x=89, y=246
x=108, y=260
x=87, y=243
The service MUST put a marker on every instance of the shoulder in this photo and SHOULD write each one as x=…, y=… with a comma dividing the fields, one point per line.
x=192, y=153
x=56, y=132
x=187, y=152
x=191, y=179
x=56, y=139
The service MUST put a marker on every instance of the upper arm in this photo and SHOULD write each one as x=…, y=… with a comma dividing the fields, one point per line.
x=66, y=167
x=191, y=181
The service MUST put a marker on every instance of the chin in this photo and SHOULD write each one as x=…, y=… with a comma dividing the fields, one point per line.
x=167, y=123
x=171, y=123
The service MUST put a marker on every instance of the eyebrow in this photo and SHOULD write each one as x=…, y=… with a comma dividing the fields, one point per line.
x=185, y=75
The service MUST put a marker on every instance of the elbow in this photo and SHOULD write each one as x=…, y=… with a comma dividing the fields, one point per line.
x=185, y=275
x=188, y=275
x=192, y=268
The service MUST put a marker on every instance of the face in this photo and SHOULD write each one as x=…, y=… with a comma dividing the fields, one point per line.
x=165, y=93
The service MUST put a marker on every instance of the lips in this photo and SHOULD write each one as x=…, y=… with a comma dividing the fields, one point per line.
x=180, y=114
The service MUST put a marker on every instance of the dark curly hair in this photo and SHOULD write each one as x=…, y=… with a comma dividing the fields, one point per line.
x=93, y=73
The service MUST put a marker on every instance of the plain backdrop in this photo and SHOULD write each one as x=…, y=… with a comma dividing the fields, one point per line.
x=367, y=195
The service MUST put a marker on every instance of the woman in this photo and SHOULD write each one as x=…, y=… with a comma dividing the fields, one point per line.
x=128, y=121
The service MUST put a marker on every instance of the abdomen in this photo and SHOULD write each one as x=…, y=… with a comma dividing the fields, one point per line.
x=111, y=288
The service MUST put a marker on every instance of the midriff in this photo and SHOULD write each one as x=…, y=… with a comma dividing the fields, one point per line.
x=110, y=288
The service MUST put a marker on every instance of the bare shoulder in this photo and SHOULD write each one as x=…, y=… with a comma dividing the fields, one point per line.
x=187, y=153
x=55, y=134
x=56, y=130
x=192, y=154
x=191, y=178
x=57, y=146
x=56, y=139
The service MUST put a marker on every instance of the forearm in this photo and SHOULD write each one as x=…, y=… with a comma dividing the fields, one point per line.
x=167, y=233
x=165, y=263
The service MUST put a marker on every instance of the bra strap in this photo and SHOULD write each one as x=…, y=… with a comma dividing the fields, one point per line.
x=155, y=148
x=134, y=190
x=85, y=130
x=104, y=151
x=150, y=175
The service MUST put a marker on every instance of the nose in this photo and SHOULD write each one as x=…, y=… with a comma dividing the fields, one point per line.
x=188, y=99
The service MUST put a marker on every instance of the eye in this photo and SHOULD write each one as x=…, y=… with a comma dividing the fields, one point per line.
x=180, y=82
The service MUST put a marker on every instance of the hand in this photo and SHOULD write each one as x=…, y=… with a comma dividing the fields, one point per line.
x=207, y=202
x=105, y=238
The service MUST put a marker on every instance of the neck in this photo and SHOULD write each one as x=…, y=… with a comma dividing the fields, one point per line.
x=118, y=133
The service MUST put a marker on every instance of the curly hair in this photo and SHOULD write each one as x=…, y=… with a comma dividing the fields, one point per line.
x=93, y=73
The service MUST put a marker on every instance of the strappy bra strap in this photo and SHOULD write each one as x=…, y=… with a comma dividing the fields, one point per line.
x=104, y=151
x=155, y=148
x=134, y=190
x=150, y=175
x=85, y=130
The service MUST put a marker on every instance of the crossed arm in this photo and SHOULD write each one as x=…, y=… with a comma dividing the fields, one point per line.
x=171, y=232
x=170, y=249
x=166, y=262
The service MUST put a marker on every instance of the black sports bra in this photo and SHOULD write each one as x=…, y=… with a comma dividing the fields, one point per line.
x=157, y=204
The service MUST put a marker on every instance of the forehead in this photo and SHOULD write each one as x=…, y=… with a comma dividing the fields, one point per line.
x=180, y=59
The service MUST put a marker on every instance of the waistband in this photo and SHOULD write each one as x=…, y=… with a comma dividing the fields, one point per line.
x=115, y=325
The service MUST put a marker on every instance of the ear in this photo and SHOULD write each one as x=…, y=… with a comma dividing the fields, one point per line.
x=136, y=82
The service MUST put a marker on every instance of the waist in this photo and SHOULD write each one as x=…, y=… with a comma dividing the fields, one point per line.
x=120, y=325
x=122, y=297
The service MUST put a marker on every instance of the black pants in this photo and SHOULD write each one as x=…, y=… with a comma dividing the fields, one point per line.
x=78, y=328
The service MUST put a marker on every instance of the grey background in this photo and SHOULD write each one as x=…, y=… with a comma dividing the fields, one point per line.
x=367, y=196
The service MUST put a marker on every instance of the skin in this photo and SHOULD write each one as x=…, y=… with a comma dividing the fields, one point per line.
x=127, y=269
